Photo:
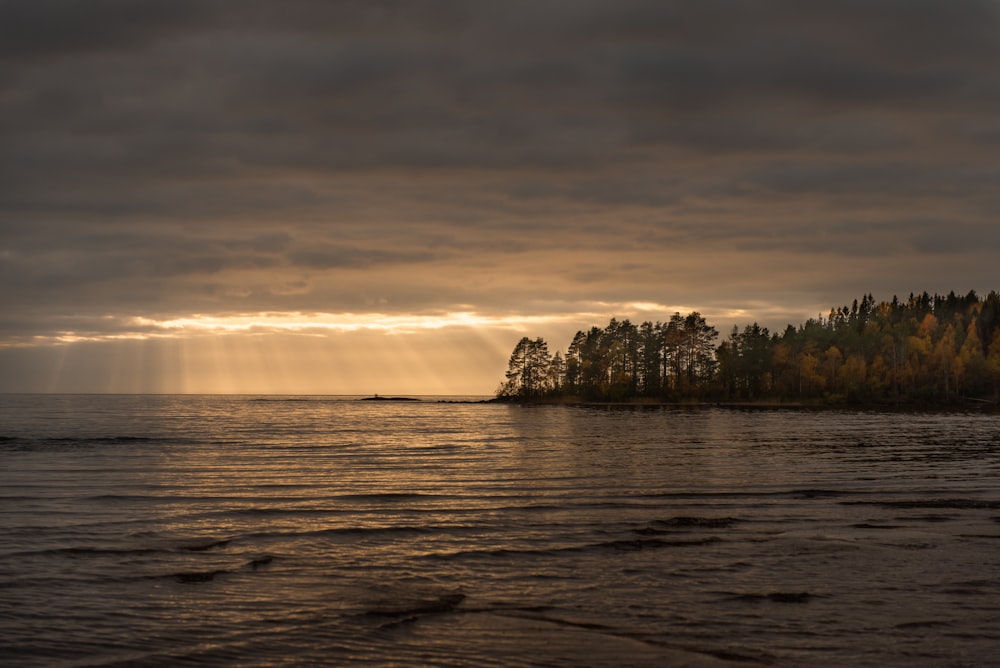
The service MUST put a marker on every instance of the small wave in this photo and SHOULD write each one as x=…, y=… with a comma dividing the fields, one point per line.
x=692, y=654
x=121, y=497
x=16, y=444
x=74, y=552
x=816, y=493
x=442, y=603
x=538, y=613
x=61, y=443
x=774, y=597
x=96, y=440
x=392, y=496
x=913, y=547
x=204, y=547
x=697, y=522
x=406, y=614
x=650, y=543
x=676, y=525
x=259, y=562
x=197, y=576
x=541, y=508
x=957, y=504
x=928, y=624
x=276, y=512
x=978, y=584
x=866, y=525
x=622, y=545
x=962, y=591
x=352, y=532
x=708, y=495
x=173, y=498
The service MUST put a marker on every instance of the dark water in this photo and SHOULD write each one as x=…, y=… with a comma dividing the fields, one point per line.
x=230, y=531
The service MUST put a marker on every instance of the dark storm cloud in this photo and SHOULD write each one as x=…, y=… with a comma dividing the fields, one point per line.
x=54, y=28
x=163, y=156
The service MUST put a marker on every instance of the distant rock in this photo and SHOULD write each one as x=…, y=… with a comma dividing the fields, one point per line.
x=378, y=398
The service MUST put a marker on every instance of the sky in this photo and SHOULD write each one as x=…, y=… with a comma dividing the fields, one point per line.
x=385, y=196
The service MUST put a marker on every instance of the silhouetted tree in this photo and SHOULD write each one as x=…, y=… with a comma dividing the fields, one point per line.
x=528, y=370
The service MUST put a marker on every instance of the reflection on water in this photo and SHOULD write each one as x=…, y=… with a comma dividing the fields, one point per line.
x=221, y=530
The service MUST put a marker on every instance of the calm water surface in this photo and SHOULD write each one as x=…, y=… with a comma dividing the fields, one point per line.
x=148, y=530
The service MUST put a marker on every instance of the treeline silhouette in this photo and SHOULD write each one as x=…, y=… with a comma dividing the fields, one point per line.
x=927, y=349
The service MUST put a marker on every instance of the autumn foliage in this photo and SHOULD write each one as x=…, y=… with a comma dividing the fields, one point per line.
x=927, y=349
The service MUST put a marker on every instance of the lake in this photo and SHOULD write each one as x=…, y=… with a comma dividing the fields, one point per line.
x=260, y=531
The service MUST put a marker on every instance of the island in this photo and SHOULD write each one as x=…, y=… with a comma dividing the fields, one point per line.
x=380, y=398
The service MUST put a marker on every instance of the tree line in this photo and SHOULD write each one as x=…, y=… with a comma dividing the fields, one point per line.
x=926, y=349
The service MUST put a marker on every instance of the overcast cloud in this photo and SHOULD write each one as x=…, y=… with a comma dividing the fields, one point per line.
x=772, y=159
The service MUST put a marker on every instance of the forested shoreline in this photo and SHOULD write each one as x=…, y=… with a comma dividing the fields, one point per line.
x=924, y=350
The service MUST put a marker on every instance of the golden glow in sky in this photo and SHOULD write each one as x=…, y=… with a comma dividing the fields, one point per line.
x=459, y=352
x=319, y=324
x=343, y=322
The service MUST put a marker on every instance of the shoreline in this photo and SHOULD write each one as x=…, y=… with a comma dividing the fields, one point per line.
x=963, y=405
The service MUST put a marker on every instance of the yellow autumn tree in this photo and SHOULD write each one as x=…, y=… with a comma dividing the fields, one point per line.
x=832, y=360
x=879, y=377
x=852, y=375
x=943, y=361
x=970, y=366
x=811, y=381
x=919, y=355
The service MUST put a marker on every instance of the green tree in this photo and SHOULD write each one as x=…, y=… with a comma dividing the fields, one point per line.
x=745, y=363
x=832, y=361
x=650, y=359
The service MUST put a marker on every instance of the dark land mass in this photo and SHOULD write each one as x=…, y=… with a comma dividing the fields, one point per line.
x=378, y=398
x=965, y=406
x=924, y=352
